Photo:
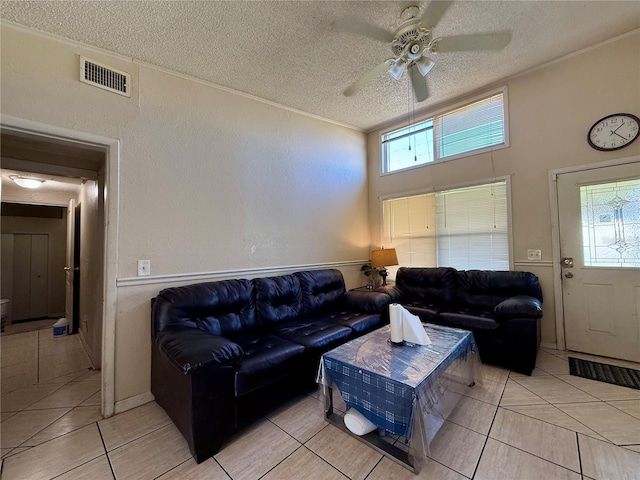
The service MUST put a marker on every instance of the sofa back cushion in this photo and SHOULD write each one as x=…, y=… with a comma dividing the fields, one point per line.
x=278, y=299
x=427, y=283
x=488, y=288
x=222, y=308
x=321, y=289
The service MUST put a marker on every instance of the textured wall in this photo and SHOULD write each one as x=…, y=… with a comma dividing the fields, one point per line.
x=550, y=111
x=91, y=259
x=209, y=180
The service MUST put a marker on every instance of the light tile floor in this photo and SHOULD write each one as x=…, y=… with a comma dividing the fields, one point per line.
x=547, y=426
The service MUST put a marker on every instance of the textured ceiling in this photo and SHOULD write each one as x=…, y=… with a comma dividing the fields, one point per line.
x=287, y=51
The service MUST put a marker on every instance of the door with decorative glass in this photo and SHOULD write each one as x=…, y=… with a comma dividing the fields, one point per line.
x=599, y=219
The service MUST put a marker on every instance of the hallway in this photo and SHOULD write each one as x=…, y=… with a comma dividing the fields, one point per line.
x=48, y=389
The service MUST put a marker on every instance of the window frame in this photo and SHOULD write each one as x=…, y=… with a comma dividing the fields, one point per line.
x=506, y=179
x=443, y=111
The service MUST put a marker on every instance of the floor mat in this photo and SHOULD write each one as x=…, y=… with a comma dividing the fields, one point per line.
x=623, y=376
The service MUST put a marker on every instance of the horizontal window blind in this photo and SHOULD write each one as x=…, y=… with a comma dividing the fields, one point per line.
x=465, y=228
x=472, y=127
x=410, y=228
x=472, y=226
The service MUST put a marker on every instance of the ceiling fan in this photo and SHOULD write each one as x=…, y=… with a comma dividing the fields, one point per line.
x=414, y=46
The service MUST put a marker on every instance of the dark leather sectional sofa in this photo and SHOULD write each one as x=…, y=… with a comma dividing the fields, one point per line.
x=225, y=352
x=501, y=308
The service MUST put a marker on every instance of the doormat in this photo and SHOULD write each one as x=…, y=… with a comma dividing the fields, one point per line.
x=602, y=372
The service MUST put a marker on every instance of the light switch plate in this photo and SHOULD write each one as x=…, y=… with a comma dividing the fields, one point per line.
x=144, y=268
x=534, y=254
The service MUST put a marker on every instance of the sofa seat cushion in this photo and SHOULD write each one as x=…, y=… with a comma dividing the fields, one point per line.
x=470, y=318
x=359, y=322
x=267, y=358
x=427, y=311
x=314, y=335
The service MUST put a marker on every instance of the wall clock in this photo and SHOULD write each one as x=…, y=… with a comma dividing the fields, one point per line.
x=614, y=132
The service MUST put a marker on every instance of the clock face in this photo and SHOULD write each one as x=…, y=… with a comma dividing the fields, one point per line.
x=614, y=131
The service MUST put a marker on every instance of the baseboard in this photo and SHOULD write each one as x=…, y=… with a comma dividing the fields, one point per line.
x=133, y=402
x=87, y=350
x=549, y=345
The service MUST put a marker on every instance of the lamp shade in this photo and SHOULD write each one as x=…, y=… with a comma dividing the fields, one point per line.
x=384, y=257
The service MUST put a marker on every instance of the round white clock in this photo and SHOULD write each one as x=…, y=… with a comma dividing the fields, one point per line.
x=614, y=131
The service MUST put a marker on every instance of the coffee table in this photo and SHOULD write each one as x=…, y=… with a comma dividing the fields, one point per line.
x=404, y=390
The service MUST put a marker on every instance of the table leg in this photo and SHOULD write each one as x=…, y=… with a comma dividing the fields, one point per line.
x=328, y=401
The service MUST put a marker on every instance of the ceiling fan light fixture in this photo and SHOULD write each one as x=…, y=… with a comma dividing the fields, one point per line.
x=26, y=182
x=397, y=68
x=425, y=64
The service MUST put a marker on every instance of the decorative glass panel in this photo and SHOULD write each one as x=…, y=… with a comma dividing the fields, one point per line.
x=611, y=224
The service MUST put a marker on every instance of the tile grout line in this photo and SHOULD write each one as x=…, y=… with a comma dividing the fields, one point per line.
x=106, y=453
x=374, y=467
x=555, y=404
x=507, y=407
x=45, y=427
x=134, y=439
x=307, y=448
x=579, y=455
x=534, y=455
x=486, y=438
x=287, y=456
x=38, y=359
x=220, y=465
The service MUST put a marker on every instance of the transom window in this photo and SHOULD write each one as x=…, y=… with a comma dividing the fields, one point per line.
x=470, y=129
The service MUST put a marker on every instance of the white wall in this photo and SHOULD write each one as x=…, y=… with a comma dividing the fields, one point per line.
x=550, y=111
x=91, y=268
x=209, y=180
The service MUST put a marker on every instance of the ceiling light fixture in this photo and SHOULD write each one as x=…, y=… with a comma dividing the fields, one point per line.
x=26, y=182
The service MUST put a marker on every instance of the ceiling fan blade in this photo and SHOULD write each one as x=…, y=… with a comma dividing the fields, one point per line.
x=419, y=84
x=354, y=25
x=366, y=78
x=473, y=42
x=433, y=13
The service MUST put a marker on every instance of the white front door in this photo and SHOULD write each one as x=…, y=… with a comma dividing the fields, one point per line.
x=599, y=218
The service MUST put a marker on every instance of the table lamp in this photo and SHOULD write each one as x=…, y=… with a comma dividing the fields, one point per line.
x=383, y=258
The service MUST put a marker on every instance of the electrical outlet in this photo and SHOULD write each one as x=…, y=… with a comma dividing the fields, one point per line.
x=534, y=255
x=144, y=268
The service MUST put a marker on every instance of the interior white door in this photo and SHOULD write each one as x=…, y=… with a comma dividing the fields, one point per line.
x=599, y=219
x=69, y=268
x=21, y=277
x=38, y=301
x=30, y=276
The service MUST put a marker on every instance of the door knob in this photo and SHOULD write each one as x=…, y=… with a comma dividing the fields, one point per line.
x=568, y=275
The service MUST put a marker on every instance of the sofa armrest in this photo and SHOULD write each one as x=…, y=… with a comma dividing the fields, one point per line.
x=373, y=302
x=190, y=349
x=519, y=306
x=393, y=291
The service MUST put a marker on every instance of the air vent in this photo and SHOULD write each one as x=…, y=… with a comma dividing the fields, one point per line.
x=104, y=77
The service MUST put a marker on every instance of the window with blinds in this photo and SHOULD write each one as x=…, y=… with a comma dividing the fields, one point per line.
x=470, y=129
x=465, y=228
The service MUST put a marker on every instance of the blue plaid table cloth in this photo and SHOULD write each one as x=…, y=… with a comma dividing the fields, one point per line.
x=391, y=385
